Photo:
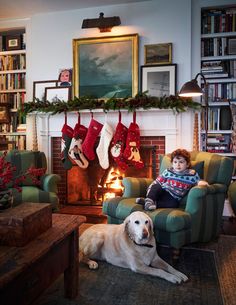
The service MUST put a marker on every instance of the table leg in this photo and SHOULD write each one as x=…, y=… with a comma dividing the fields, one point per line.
x=71, y=274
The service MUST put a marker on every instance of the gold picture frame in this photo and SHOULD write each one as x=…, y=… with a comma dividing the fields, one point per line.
x=160, y=54
x=105, y=67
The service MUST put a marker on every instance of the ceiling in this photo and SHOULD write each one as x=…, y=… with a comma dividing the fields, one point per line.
x=25, y=8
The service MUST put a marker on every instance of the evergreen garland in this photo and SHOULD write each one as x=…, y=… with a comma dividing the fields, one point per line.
x=141, y=100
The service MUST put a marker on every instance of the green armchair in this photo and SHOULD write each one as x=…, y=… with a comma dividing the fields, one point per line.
x=46, y=192
x=199, y=217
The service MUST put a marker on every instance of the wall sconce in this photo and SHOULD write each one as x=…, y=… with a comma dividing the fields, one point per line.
x=191, y=89
x=104, y=24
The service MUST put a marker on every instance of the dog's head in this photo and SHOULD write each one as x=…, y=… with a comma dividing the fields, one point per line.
x=139, y=227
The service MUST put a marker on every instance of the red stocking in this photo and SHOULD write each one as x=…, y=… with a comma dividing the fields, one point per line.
x=88, y=145
x=67, y=134
x=75, y=152
x=118, y=145
x=131, y=152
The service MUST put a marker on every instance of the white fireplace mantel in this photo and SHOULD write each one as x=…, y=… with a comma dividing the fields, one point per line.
x=176, y=128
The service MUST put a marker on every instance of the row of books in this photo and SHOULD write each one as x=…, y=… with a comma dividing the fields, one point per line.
x=4, y=41
x=12, y=62
x=217, y=143
x=219, y=68
x=218, y=20
x=12, y=81
x=13, y=142
x=218, y=46
x=218, y=118
x=14, y=100
x=221, y=91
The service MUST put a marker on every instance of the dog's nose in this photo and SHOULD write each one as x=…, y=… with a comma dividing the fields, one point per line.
x=145, y=233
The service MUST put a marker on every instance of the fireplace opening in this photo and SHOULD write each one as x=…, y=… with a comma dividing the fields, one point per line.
x=94, y=185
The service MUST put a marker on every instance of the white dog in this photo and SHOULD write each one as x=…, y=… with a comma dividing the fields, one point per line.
x=128, y=245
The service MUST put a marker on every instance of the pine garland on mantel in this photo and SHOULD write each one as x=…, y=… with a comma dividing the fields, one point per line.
x=141, y=100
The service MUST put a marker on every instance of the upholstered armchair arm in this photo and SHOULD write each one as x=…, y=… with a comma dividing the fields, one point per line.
x=198, y=193
x=232, y=195
x=135, y=187
x=49, y=182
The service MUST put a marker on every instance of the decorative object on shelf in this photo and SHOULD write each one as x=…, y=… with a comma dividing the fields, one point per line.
x=106, y=67
x=55, y=94
x=191, y=89
x=141, y=100
x=159, y=80
x=4, y=114
x=158, y=53
x=104, y=24
x=65, y=77
x=39, y=88
x=13, y=42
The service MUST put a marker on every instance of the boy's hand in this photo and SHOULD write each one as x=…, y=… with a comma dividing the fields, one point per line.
x=203, y=183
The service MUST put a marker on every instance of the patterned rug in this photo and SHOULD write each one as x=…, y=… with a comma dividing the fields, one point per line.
x=111, y=285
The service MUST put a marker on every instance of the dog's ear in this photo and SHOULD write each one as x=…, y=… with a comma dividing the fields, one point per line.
x=126, y=224
x=151, y=224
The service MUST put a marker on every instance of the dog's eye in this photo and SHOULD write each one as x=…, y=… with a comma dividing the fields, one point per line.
x=146, y=222
x=137, y=222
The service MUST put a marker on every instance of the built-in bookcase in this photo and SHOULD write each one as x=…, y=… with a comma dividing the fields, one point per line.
x=12, y=89
x=218, y=65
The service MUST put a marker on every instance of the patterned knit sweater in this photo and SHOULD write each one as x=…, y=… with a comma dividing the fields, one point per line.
x=178, y=184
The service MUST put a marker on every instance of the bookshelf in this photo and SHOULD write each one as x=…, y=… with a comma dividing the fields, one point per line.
x=12, y=89
x=218, y=65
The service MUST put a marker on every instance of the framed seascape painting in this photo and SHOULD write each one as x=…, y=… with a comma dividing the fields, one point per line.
x=159, y=80
x=106, y=67
x=158, y=54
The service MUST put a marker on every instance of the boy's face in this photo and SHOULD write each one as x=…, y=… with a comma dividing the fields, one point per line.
x=179, y=164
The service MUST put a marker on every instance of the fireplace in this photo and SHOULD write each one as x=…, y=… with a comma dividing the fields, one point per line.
x=93, y=185
x=160, y=127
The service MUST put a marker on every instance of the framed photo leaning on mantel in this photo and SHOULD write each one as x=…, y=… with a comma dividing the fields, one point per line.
x=39, y=88
x=158, y=54
x=54, y=94
x=159, y=80
x=106, y=67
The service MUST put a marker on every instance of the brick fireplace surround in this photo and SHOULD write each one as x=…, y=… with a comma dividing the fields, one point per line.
x=162, y=128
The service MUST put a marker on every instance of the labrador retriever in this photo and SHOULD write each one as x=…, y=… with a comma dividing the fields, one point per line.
x=128, y=245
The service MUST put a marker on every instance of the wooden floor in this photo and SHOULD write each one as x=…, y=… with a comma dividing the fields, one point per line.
x=94, y=215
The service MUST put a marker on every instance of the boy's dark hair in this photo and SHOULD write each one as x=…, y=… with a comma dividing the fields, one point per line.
x=181, y=153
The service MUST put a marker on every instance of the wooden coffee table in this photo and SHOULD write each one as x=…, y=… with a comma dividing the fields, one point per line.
x=25, y=272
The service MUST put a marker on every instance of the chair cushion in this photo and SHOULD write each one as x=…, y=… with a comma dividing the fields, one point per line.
x=170, y=220
x=198, y=166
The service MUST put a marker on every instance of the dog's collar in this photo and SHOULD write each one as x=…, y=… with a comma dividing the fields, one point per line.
x=141, y=245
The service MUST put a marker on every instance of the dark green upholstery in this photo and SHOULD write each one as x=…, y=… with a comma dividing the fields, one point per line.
x=232, y=196
x=46, y=192
x=200, y=212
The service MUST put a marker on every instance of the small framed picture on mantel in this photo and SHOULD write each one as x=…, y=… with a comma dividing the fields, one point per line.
x=158, y=54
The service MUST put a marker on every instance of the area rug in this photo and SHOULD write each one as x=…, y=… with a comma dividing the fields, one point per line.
x=111, y=285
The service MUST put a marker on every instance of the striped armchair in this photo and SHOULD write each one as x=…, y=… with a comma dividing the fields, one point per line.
x=46, y=192
x=199, y=216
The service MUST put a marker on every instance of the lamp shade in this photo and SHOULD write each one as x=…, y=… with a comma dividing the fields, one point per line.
x=190, y=89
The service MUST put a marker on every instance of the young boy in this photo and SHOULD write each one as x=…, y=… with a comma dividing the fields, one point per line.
x=173, y=184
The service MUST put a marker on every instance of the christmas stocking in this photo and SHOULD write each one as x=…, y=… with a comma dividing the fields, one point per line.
x=88, y=145
x=67, y=134
x=131, y=151
x=103, y=146
x=75, y=152
x=118, y=145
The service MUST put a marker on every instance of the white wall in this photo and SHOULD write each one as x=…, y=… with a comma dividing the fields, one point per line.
x=50, y=35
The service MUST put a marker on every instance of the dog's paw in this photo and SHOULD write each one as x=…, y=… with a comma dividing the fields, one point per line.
x=92, y=265
x=182, y=276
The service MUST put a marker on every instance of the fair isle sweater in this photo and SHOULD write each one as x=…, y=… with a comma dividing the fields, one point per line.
x=178, y=184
